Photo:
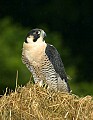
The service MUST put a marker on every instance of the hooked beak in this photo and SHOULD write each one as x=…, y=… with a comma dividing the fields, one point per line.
x=43, y=34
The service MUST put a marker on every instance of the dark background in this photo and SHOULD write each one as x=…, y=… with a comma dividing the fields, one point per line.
x=69, y=27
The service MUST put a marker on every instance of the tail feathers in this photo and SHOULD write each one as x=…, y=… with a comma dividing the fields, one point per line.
x=63, y=85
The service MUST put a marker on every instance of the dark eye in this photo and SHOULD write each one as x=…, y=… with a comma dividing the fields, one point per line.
x=37, y=32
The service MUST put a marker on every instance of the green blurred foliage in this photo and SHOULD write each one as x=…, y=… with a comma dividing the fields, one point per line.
x=11, y=39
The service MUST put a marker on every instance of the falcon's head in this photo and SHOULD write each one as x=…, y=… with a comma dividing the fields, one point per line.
x=35, y=36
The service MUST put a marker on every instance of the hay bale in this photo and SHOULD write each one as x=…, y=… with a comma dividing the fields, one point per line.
x=35, y=103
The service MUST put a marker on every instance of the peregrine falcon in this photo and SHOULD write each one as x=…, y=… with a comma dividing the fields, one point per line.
x=44, y=62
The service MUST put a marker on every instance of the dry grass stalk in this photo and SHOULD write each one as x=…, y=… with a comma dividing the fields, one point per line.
x=35, y=103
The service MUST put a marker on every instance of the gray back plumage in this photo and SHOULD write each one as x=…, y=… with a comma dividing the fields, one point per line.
x=56, y=61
